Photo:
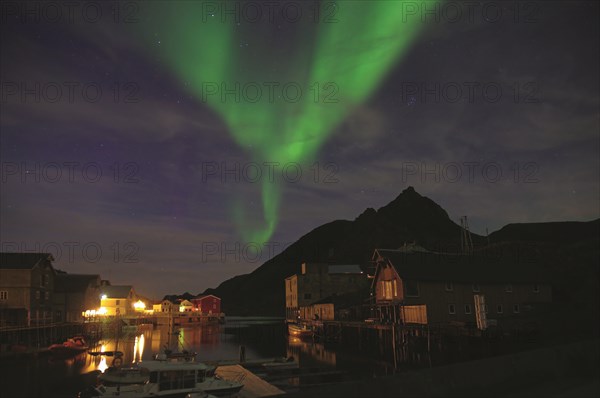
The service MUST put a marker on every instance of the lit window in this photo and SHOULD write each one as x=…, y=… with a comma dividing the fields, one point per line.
x=467, y=308
x=499, y=309
x=387, y=290
x=508, y=288
x=476, y=287
x=449, y=286
x=536, y=288
x=451, y=309
x=516, y=309
x=395, y=287
x=4, y=295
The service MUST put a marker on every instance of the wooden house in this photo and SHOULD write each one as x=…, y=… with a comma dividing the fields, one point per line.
x=26, y=289
x=482, y=288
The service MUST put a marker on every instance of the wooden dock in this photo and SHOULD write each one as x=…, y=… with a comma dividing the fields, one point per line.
x=254, y=386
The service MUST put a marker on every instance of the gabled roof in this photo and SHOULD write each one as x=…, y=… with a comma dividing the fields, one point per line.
x=203, y=296
x=23, y=260
x=72, y=283
x=504, y=266
x=116, y=291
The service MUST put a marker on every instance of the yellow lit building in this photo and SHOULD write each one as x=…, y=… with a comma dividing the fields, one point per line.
x=118, y=300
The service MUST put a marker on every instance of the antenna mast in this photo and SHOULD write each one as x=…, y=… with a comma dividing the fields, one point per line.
x=466, y=241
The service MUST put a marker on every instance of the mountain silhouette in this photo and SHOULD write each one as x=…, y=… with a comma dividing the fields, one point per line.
x=409, y=218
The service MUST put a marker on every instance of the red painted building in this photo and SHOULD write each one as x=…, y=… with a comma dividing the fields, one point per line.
x=208, y=304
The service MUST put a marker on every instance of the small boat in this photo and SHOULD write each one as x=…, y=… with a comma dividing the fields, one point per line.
x=106, y=353
x=168, y=377
x=299, y=330
x=114, y=376
x=71, y=347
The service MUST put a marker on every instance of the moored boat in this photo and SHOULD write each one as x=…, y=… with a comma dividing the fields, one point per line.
x=168, y=377
x=299, y=330
x=71, y=347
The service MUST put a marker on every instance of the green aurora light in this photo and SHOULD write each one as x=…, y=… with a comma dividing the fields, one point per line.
x=354, y=52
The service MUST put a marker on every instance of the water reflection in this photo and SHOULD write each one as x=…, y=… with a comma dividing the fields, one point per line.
x=45, y=377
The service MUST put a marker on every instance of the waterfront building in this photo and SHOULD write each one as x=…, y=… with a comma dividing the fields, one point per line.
x=318, y=281
x=74, y=294
x=117, y=300
x=207, y=304
x=489, y=287
x=26, y=289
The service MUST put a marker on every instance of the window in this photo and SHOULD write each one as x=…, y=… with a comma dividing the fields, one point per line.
x=499, y=309
x=467, y=308
x=476, y=287
x=516, y=309
x=536, y=288
x=451, y=309
x=4, y=295
x=486, y=308
x=37, y=294
x=395, y=287
x=411, y=288
x=307, y=296
x=117, y=302
x=449, y=286
x=47, y=295
x=508, y=288
x=386, y=290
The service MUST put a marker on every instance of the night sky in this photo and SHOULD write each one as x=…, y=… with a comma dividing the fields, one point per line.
x=508, y=87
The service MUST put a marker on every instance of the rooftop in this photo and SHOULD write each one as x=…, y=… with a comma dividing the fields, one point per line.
x=482, y=267
x=116, y=291
x=23, y=260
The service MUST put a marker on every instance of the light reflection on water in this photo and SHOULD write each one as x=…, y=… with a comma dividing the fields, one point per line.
x=262, y=338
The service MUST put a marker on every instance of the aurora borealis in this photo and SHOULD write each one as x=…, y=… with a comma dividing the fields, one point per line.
x=108, y=124
x=328, y=79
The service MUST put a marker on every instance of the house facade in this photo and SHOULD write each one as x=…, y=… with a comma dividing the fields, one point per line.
x=207, y=304
x=165, y=307
x=318, y=281
x=74, y=294
x=26, y=289
x=117, y=300
x=437, y=288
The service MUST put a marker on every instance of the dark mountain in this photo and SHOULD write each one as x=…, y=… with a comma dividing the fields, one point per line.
x=408, y=218
x=550, y=232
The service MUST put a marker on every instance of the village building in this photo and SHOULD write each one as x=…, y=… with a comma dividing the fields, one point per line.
x=26, y=289
x=185, y=305
x=117, y=300
x=207, y=304
x=353, y=306
x=479, y=289
x=318, y=281
x=74, y=294
x=164, y=307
